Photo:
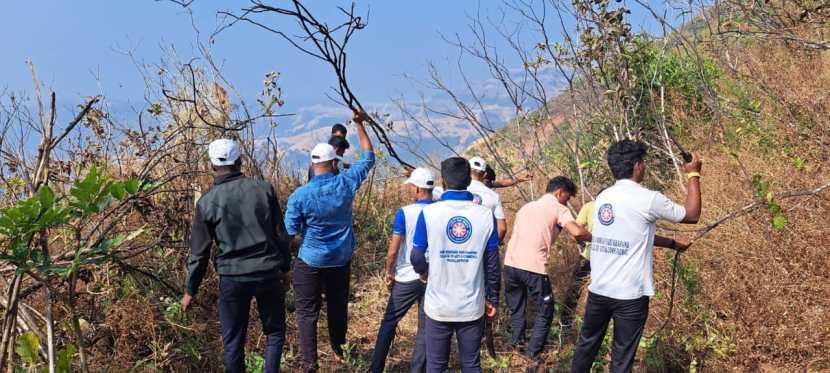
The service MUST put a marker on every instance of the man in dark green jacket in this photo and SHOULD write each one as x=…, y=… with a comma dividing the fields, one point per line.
x=243, y=217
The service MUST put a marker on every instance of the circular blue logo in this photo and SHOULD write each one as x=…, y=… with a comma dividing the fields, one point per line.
x=459, y=229
x=606, y=214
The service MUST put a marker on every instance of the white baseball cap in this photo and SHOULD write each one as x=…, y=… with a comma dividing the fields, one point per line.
x=223, y=152
x=323, y=152
x=422, y=178
x=478, y=164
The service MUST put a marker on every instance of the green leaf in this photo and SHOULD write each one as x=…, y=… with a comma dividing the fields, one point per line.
x=132, y=186
x=63, y=360
x=26, y=347
x=118, y=190
x=779, y=222
x=149, y=187
x=46, y=196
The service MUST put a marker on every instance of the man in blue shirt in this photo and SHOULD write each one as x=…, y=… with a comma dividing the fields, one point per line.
x=405, y=284
x=321, y=212
x=456, y=248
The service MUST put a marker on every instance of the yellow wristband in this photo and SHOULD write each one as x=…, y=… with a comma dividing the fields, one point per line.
x=692, y=174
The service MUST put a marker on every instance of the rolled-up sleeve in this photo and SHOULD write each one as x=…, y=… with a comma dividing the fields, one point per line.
x=664, y=208
x=359, y=170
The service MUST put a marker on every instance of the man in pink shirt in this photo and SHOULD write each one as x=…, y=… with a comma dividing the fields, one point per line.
x=535, y=229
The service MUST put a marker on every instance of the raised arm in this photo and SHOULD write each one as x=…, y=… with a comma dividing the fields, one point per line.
x=693, y=203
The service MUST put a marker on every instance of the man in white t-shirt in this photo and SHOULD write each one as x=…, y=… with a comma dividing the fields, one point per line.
x=456, y=248
x=625, y=217
x=486, y=196
x=405, y=284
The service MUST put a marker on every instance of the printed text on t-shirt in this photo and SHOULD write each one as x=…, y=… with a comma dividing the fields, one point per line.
x=610, y=246
x=458, y=256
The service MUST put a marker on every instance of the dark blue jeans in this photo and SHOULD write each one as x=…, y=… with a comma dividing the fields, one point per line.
x=519, y=285
x=629, y=319
x=234, y=308
x=309, y=285
x=439, y=334
x=402, y=297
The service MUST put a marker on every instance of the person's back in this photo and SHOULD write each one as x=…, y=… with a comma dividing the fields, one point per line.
x=321, y=212
x=326, y=205
x=322, y=209
x=242, y=215
x=243, y=218
x=621, y=254
x=624, y=227
x=456, y=251
x=455, y=290
x=536, y=226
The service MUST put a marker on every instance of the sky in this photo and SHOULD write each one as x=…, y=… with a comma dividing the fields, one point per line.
x=80, y=49
x=79, y=46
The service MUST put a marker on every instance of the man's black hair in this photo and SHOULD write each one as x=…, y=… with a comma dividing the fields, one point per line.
x=339, y=143
x=490, y=173
x=231, y=168
x=456, y=173
x=561, y=182
x=623, y=155
x=337, y=127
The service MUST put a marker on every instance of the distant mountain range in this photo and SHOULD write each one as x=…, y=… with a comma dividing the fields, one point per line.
x=443, y=136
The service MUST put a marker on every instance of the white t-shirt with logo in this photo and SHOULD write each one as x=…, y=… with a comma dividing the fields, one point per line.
x=457, y=234
x=404, y=225
x=487, y=197
x=625, y=217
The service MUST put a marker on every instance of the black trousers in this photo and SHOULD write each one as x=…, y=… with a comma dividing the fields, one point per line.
x=403, y=296
x=309, y=285
x=520, y=286
x=468, y=334
x=629, y=320
x=234, y=308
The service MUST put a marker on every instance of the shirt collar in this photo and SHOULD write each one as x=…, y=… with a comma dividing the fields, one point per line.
x=549, y=198
x=477, y=183
x=327, y=175
x=457, y=195
x=626, y=182
x=423, y=201
x=226, y=178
